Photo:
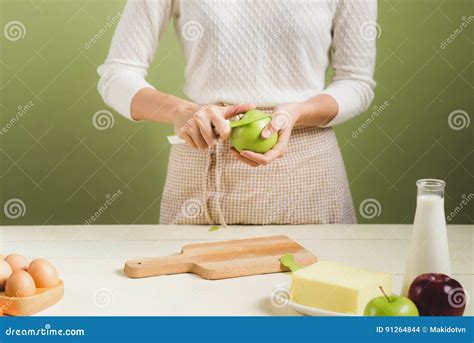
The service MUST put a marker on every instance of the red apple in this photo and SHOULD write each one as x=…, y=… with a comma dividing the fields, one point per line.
x=437, y=295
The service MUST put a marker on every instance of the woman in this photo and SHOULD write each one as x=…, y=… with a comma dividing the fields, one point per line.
x=241, y=54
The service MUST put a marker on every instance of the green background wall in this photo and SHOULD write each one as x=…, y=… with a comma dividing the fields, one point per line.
x=63, y=169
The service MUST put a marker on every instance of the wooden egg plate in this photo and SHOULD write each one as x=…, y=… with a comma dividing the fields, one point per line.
x=44, y=298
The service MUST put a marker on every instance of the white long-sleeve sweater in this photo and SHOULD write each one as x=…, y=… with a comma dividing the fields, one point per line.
x=268, y=52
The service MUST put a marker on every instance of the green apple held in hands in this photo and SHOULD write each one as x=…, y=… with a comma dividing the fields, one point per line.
x=248, y=136
x=392, y=305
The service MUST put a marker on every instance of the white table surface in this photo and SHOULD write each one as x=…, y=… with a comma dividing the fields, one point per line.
x=90, y=261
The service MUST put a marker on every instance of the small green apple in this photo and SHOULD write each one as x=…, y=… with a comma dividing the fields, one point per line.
x=248, y=136
x=392, y=305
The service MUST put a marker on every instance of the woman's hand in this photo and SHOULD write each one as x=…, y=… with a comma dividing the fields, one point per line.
x=284, y=119
x=201, y=127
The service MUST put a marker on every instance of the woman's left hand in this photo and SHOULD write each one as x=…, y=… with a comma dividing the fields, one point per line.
x=283, y=120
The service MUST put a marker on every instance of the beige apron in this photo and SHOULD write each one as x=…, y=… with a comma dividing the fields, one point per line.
x=307, y=186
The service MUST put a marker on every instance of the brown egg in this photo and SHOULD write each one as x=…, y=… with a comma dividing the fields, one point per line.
x=5, y=272
x=20, y=284
x=17, y=261
x=43, y=273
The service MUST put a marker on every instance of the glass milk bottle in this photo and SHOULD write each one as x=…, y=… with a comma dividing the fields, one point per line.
x=428, y=250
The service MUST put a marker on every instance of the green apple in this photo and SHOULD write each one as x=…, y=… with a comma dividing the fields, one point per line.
x=392, y=305
x=248, y=136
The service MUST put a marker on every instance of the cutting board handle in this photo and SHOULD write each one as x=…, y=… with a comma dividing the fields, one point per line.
x=157, y=266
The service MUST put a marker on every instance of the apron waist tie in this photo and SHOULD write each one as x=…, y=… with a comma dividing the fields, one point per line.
x=205, y=195
x=218, y=175
x=217, y=150
x=214, y=196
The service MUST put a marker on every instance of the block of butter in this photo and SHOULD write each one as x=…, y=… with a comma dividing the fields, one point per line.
x=337, y=287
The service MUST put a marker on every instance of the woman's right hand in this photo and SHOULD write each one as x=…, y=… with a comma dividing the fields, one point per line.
x=202, y=127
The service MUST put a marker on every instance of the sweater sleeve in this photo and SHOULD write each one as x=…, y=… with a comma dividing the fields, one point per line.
x=133, y=48
x=355, y=32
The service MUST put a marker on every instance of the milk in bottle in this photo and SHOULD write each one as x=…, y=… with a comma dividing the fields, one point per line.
x=428, y=250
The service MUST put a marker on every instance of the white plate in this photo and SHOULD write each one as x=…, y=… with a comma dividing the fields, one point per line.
x=281, y=297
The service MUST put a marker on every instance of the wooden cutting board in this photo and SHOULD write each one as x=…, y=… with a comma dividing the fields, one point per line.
x=44, y=298
x=227, y=259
